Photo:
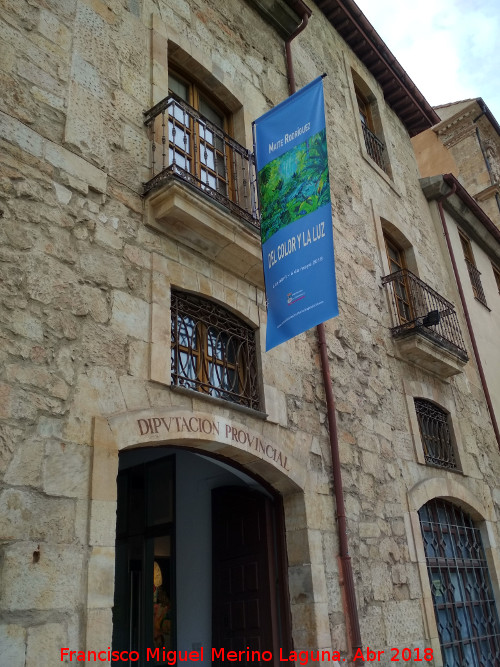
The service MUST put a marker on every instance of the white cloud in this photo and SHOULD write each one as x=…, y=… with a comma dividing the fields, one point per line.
x=448, y=47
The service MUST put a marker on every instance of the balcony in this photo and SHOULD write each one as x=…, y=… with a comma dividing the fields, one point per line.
x=202, y=190
x=374, y=147
x=428, y=332
x=189, y=147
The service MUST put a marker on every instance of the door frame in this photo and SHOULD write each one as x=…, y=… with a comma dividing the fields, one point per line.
x=277, y=564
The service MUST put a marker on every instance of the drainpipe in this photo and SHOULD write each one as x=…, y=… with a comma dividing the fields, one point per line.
x=466, y=310
x=353, y=629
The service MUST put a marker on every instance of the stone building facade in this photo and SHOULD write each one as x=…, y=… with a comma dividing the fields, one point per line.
x=466, y=143
x=134, y=427
x=474, y=242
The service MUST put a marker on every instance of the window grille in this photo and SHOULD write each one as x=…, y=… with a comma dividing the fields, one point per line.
x=213, y=352
x=496, y=273
x=435, y=433
x=474, y=273
x=466, y=614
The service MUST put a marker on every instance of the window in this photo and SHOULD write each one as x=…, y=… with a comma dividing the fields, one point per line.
x=374, y=147
x=196, y=141
x=213, y=352
x=466, y=615
x=435, y=434
x=397, y=263
x=496, y=273
x=474, y=274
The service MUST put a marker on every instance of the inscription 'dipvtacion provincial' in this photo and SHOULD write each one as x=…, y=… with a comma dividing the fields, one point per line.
x=214, y=428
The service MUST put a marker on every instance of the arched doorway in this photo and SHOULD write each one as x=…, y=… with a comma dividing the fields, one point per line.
x=199, y=558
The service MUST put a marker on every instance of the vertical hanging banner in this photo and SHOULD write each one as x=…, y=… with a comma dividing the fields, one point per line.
x=296, y=215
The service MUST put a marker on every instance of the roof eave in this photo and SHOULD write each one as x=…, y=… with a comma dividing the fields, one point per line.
x=416, y=113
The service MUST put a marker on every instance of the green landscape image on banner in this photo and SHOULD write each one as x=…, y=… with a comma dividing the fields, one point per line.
x=294, y=185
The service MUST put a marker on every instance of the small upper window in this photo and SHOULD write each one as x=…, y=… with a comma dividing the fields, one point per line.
x=496, y=273
x=436, y=435
x=213, y=351
x=474, y=274
x=374, y=146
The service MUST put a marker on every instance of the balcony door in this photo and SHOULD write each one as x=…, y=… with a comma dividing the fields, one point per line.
x=401, y=292
x=195, y=145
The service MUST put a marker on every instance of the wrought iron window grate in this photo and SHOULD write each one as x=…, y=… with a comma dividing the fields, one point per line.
x=213, y=352
x=466, y=614
x=435, y=433
x=475, y=279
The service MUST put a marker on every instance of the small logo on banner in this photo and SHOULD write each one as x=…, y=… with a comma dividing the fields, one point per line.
x=292, y=297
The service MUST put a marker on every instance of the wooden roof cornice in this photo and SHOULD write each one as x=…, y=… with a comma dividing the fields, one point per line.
x=400, y=93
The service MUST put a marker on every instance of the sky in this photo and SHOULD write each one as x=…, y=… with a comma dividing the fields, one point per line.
x=449, y=48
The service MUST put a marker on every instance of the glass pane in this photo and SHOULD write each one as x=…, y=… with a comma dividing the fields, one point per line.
x=219, y=164
x=160, y=493
x=211, y=114
x=206, y=135
x=208, y=179
x=178, y=135
x=162, y=593
x=217, y=341
x=207, y=156
x=180, y=160
x=178, y=87
x=460, y=586
x=186, y=332
x=186, y=368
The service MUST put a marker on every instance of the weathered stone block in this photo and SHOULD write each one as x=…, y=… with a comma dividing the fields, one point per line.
x=101, y=577
x=13, y=643
x=25, y=467
x=28, y=514
x=66, y=469
x=130, y=316
x=44, y=645
x=54, y=582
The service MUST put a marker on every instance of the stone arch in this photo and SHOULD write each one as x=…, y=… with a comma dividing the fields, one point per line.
x=256, y=446
x=394, y=233
x=452, y=490
x=481, y=511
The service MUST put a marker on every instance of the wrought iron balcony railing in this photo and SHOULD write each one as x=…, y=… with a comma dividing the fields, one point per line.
x=417, y=307
x=374, y=147
x=186, y=145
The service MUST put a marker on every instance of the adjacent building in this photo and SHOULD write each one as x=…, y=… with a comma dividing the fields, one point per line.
x=166, y=483
x=466, y=143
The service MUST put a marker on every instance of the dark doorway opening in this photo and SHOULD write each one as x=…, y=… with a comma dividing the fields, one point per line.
x=199, y=557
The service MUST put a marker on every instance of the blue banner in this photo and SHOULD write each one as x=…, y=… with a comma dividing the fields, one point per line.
x=296, y=215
